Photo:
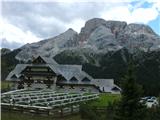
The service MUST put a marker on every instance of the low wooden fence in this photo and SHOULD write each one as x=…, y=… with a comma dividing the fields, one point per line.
x=56, y=112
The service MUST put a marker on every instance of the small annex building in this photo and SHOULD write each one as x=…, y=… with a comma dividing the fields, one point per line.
x=44, y=73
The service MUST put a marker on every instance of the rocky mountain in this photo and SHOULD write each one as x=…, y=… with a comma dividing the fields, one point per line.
x=109, y=34
x=49, y=47
x=103, y=48
x=98, y=36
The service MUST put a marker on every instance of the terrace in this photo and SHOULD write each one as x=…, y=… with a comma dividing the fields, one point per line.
x=44, y=100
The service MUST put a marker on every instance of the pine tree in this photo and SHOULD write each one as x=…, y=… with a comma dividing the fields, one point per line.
x=129, y=108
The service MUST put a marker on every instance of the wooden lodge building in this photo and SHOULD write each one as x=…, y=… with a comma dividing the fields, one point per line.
x=46, y=73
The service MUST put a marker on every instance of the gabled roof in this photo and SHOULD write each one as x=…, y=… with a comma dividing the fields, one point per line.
x=86, y=79
x=14, y=76
x=73, y=79
x=54, y=68
x=16, y=71
x=116, y=88
x=87, y=75
x=61, y=78
x=21, y=77
x=69, y=71
x=39, y=58
x=47, y=60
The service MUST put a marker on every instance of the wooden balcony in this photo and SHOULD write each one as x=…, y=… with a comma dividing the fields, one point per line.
x=39, y=74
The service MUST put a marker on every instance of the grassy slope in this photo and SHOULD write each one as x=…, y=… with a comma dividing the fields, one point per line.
x=5, y=85
x=105, y=99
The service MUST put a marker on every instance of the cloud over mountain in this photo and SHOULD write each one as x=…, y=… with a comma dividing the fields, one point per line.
x=40, y=20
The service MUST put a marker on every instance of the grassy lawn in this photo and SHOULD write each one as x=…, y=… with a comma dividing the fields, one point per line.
x=104, y=99
x=20, y=116
x=5, y=85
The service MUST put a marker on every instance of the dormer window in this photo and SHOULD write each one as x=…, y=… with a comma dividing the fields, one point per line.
x=86, y=79
x=14, y=76
x=73, y=79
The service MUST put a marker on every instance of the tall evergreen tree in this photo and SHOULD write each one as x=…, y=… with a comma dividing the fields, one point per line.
x=129, y=108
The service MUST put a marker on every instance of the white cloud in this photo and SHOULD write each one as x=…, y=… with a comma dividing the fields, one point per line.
x=48, y=20
x=117, y=13
x=156, y=4
x=144, y=15
x=27, y=22
x=76, y=24
x=71, y=1
x=14, y=34
x=123, y=13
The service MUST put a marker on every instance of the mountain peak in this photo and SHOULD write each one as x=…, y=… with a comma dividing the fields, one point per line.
x=95, y=20
x=49, y=47
x=97, y=34
x=71, y=30
x=94, y=23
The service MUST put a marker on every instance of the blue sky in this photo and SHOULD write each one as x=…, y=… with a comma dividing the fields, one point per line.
x=26, y=21
x=155, y=25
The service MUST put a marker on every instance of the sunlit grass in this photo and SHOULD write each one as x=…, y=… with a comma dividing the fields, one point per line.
x=104, y=99
x=5, y=85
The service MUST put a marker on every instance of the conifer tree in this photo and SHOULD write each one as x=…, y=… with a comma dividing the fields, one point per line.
x=129, y=107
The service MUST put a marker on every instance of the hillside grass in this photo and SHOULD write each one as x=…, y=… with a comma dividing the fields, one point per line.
x=105, y=99
x=5, y=85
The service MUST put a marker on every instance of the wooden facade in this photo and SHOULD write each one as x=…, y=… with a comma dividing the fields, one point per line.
x=46, y=73
x=38, y=72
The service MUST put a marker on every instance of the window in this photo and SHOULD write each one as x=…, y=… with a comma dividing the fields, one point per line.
x=86, y=79
x=73, y=79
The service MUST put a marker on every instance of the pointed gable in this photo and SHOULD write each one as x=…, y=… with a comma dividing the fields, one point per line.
x=14, y=76
x=61, y=78
x=44, y=60
x=39, y=60
x=74, y=79
x=116, y=88
x=86, y=79
x=24, y=70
